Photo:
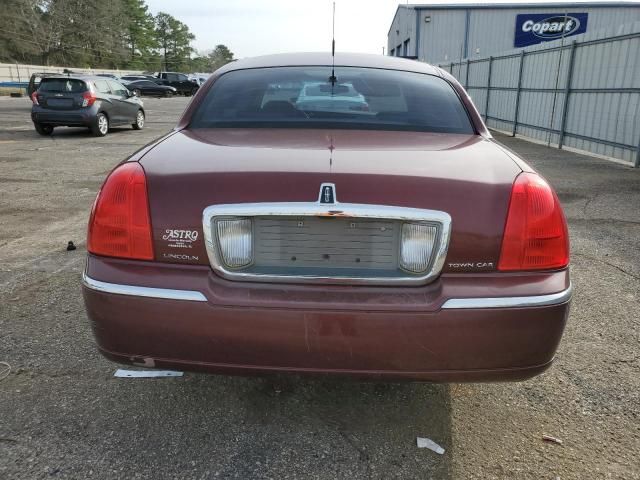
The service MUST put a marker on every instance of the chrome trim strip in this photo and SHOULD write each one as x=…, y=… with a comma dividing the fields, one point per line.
x=136, y=291
x=510, y=302
x=311, y=209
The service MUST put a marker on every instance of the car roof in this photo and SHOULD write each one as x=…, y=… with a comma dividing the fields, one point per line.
x=80, y=77
x=325, y=59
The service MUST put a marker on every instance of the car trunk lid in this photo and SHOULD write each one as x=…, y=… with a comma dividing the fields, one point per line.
x=466, y=176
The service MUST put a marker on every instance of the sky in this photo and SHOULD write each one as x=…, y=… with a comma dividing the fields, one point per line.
x=260, y=27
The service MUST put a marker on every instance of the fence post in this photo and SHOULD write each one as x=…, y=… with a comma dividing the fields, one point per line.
x=515, y=114
x=486, y=103
x=567, y=92
x=637, y=162
x=466, y=76
x=451, y=69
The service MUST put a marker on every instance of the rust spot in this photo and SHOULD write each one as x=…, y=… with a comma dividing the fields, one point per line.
x=144, y=362
x=334, y=213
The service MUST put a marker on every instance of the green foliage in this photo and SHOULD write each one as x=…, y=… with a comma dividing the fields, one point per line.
x=174, y=40
x=140, y=35
x=93, y=34
x=220, y=56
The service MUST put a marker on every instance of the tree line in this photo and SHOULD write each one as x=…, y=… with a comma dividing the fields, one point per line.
x=117, y=34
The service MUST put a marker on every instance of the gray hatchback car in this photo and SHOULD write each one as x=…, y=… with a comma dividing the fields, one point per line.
x=83, y=101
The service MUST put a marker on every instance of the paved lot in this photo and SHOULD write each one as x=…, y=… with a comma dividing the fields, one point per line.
x=63, y=415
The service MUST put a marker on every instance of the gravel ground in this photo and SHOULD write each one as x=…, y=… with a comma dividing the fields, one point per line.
x=63, y=415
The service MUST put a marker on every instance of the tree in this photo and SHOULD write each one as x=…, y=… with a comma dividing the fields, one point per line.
x=174, y=40
x=140, y=34
x=200, y=63
x=219, y=56
x=95, y=33
x=19, y=20
x=56, y=31
x=103, y=42
x=30, y=30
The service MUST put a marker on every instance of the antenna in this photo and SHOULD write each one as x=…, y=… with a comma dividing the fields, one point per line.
x=333, y=78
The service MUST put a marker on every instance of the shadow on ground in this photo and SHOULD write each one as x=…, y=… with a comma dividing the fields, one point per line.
x=66, y=416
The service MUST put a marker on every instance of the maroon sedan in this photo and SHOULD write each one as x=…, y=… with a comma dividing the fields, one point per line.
x=359, y=220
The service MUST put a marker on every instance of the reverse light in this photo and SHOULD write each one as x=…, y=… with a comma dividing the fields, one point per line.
x=416, y=246
x=34, y=98
x=535, y=234
x=88, y=98
x=235, y=239
x=120, y=225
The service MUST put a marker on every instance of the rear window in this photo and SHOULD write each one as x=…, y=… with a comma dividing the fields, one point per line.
x=62, y=85
x=360, y=98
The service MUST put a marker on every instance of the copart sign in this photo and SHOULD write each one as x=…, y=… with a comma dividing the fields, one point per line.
x=541, y=27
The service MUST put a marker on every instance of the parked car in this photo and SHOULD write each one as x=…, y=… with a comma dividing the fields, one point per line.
x=108, y=75
x=149, y=88
x=84, y=101
x=198, y=78
x=326, y=96
x=133, y=78
x=398, y=243
x=179, y=81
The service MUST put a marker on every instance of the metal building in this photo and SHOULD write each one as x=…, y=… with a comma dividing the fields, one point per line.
x=440, y=33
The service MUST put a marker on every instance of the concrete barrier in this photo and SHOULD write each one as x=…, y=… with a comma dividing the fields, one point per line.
x=14, y=72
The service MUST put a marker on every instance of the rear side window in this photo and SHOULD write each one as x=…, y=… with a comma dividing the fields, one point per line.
x=117, y=88
x=358, y=98
x=62, y=85
x=102, y=86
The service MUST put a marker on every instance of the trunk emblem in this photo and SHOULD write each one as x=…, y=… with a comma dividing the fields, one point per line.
x=327, y=194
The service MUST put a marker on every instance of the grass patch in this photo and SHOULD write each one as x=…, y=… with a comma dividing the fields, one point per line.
x=6, y=91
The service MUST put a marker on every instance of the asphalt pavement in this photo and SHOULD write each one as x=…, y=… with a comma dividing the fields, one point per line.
x=63, y=414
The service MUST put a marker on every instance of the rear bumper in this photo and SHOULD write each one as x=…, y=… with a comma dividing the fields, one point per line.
x=77, y=117
x=226, y=327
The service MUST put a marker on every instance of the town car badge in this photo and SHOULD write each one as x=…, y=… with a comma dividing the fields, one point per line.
x=327, y=194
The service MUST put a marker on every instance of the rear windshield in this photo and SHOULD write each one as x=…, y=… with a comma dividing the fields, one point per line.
x=305, y=97
x=63, y=85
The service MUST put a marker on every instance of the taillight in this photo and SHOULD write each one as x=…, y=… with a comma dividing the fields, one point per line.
x=535, y=235
x=119, y=225
x=88, y=98
x=34, y=98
